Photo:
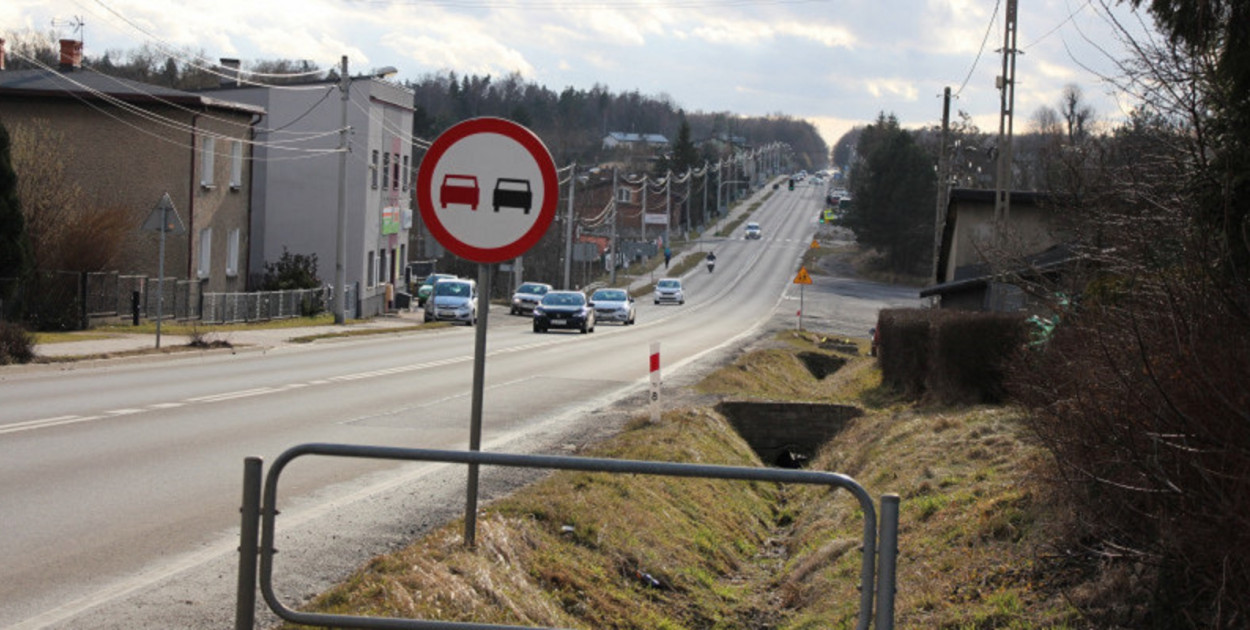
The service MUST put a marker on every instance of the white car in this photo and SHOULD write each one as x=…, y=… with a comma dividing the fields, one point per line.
x=753, y=231
x=613, y=305
x=453, y=301
x=669, y=290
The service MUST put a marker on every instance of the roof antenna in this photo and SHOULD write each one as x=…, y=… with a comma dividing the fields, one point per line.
x=75, y=23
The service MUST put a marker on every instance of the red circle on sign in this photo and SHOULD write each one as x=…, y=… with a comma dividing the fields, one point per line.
x=542, y=159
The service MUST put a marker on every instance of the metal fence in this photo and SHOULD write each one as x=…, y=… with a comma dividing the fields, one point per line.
x=260, y=510
x=229, y=308
x=67, y=300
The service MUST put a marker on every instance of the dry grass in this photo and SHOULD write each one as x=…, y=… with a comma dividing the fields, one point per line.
x=588, y=550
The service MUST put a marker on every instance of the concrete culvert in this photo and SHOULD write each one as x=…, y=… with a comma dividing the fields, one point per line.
x=787, y=435
x=821, y=365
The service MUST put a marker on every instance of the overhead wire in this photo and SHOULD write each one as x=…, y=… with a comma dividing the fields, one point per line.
x=208, y=65
x=980, y=51
x=152, y=117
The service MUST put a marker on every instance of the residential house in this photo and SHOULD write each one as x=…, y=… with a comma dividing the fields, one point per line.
x=126, y=144
x=640, y=141
x=295, y=198
x=974, y=251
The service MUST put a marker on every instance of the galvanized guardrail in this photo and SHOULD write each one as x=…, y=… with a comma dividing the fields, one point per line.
x=881, y=583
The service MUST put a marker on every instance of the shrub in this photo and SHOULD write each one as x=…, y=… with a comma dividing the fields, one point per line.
x=947, y=356
x=17, y=345
x=1142, y=398
x=904, y=350
x=970, y=354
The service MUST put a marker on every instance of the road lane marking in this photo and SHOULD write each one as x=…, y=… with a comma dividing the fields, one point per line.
x=44, y=423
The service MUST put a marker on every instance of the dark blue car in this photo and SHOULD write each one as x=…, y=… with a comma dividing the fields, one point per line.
x=564, y=309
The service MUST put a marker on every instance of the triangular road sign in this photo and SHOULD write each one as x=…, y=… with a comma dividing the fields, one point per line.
x=815, y=244
x=164, y=218
x=802, y=278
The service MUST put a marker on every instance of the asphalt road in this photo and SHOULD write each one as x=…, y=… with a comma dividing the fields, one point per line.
x=121, y=483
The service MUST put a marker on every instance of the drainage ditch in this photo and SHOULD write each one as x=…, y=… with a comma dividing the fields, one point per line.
x=787, y=435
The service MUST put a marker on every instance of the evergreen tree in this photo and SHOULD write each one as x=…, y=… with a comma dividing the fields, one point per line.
x=14, y=247
x=893, y=187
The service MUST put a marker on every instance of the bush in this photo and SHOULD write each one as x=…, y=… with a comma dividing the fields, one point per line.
x=904, y=350
x=1142, y=397
x=949, y=357
x=970, y=354
x=16, y=344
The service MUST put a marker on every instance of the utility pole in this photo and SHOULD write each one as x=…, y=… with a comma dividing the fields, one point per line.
x=340, y=250
x=668, y=205
x=943, y=182
x=685, y=214
x=615, y=217
x=1007, y=87
x=568, y=227
x=705, y=174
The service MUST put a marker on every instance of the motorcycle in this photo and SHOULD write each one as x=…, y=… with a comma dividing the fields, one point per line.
x=711, y=264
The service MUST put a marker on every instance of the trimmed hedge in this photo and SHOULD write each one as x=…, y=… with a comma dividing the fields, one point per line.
x=947, y=356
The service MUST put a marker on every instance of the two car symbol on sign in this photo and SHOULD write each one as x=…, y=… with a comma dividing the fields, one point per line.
x=508, y=193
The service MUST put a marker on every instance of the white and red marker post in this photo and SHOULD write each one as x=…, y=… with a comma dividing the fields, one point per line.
x=655, y=382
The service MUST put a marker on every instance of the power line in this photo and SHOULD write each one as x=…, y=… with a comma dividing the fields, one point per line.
x=989, y=27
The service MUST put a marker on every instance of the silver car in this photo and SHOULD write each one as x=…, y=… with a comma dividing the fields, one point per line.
x=527, y=296
x=453, y=301
x=613, y=305
x=669, y=290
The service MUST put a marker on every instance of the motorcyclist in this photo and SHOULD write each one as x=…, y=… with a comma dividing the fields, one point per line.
x=711, y=260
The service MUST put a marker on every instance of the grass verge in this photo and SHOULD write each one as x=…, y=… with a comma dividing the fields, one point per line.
x=584, y=550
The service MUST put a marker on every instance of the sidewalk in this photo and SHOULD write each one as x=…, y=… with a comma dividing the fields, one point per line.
x=250, y=338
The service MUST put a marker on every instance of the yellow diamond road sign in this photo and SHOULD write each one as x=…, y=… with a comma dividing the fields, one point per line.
x=802, y=278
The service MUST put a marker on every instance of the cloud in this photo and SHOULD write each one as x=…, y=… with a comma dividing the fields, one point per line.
x=464, y=52
x=904, y=89
x=750, y=30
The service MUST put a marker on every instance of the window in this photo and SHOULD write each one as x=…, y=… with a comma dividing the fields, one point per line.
x=622, y=195
x=382, y=266
x=371, y=270
x=395, y=170
x=386, y=171
x=405, y=172
x=232, y=254
x=373, y=167
x=207, y=147
x=206, y=252
x=236, y=165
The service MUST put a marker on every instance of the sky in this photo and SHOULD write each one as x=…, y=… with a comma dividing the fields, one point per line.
x=835, y=63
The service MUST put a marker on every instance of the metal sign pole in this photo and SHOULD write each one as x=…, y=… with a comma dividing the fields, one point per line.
x=160, y=275
x=475, y=414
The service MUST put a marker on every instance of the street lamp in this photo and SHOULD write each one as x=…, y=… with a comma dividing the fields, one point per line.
x=340, y=252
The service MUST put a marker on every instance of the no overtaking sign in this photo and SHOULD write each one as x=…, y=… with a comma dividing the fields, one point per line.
x=487, y=189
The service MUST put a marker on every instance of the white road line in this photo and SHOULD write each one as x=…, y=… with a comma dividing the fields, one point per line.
x=31, y=425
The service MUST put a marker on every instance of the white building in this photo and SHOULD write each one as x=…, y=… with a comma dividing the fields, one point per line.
x=295, y=192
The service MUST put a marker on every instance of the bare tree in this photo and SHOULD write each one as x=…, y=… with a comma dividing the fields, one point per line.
x=66, y=231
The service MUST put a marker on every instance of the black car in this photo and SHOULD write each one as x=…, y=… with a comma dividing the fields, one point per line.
x=564, y=309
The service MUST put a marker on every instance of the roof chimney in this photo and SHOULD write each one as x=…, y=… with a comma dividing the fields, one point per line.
x=230, y=76
x=71, y=54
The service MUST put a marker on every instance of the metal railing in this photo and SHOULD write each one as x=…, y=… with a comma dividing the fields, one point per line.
x=260, y=513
